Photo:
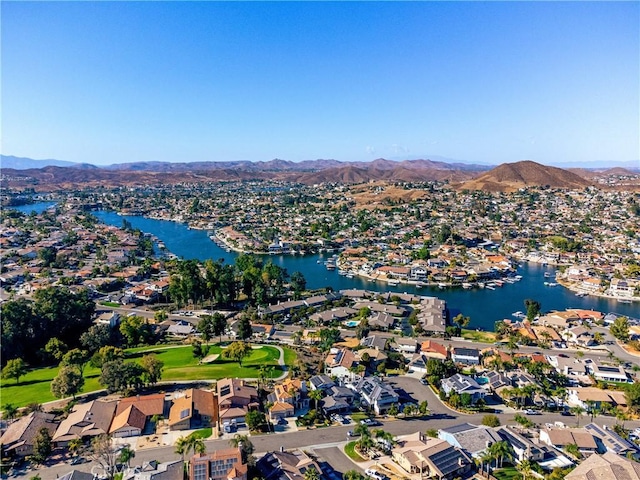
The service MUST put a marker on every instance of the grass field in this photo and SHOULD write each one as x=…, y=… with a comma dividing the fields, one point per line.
x=479, y=336
x=350, y=450
x=179, y=364
x=507, y=473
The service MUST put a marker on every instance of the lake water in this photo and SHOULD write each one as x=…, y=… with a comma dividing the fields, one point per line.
x=38, y=207
x=484, y=307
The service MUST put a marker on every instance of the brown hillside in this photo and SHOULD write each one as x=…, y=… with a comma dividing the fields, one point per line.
x=512, y=176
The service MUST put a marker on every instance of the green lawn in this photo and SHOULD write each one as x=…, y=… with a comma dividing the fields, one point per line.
x=480, y=337
x=179, y=364
x=507, y=473
x=350, y=450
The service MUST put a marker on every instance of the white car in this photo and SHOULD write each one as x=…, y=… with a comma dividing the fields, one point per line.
x=374, y=474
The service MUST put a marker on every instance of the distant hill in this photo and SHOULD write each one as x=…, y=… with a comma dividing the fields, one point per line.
x=512, y=176
x=22, y=163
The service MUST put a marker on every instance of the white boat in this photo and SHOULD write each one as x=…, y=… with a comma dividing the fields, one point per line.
x=581, y=294
x=518, y=278
x=490, y=287
x=466, y=285
x=349, y=275
x=342, y=272
x=624, y=300
x=442, y=285
x=547, y=275
x=553, y=284
x=393, y=283
x=481, y=284
x=420, y=284
x=517, y=314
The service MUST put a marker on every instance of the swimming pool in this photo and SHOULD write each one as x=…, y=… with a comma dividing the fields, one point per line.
x=352, y=323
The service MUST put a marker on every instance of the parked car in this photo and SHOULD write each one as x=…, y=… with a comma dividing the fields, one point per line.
x=375, y=474
x=77, y=460
x=351, y=433
x=424, y=381
x=531, y=412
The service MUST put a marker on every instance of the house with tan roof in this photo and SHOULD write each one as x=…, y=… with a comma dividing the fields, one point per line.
x=133, y=413
x=196, y=408
x=609, y=466
x=430, y=457
x=340, y=363
x=562, y=437
x=235, y=399
x=586, y=397
x=19, y=438
x=85, y=420
x=290, y=465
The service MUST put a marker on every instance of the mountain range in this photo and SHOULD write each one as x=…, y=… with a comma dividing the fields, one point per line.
x=505, y=177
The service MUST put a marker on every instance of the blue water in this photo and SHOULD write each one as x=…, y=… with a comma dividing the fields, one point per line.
x=34, y=207
x=484, y=307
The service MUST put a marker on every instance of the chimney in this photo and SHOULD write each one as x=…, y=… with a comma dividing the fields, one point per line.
x=281, y=448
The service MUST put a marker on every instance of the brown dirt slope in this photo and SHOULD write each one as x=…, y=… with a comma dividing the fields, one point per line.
x=512, y=176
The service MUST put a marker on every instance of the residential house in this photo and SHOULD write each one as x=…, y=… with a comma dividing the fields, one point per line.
x=221, y=464
x=374, y=341
x=609, y=441
x=432, y=315
x=473, y=439
x=431, y=349
x=579, y=336
x=593, y=397
x=77, y=475
x=375, y=356
x=289, y=465
x=609, y=373
x=340, y=363
x=110, y=318
x=19, y=438
x=381, y=321
x=418, y=363
x=85, y=420
x=196, y=408
x=466, y=356
x=235, y=399
x=561, y=437
x=523, y=447
x=405, y=345
x=430, y=457
x=375, y=394
x=286, y=397
x=338, y=400
x=133, y=413
x=460, y=384
x=321, y=382
x=609, y=466
x=171, y=470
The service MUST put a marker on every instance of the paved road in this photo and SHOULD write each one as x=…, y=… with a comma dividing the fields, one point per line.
x=327, y=438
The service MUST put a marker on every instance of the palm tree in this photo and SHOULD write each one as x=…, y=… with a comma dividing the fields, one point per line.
x=126, y=454
x=311, y=474
x=621, y=415
x=315, y=395
x=578, y=411
x=182, y=446
x=486, y=459
x=75, y=445
x=525, y=467
x=10, y=411
x=500, y=450
x=245, y=445
x=198, y=445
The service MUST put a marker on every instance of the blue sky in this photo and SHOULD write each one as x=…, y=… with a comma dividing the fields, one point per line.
x=487, y=82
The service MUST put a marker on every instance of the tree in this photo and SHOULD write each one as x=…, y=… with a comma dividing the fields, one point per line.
x=315, y=395
x=15, y=368
x=255, y=419
x=244, y=328
x=126, y=454
x=525, y=467
x=107, y=353
x=153, y=367
x=632, y=394
x=245, y=445
x=462, y=320
x=75, y=358
x=578, y=411
x=423, y=407
x=311, y=474
x=533, y=308
x=96, y=337
x=42, y=446
x=75, y=446
x=353, y=475
x=55, y=348
x=393, y=410
x=501, y=450
x=68, y=382
x=119, y=376
x=297, y=283
x=237, y=351
x=620, y=329
x=491, y=420
x=9, y=411
x=136, y=330
x=104, y=454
